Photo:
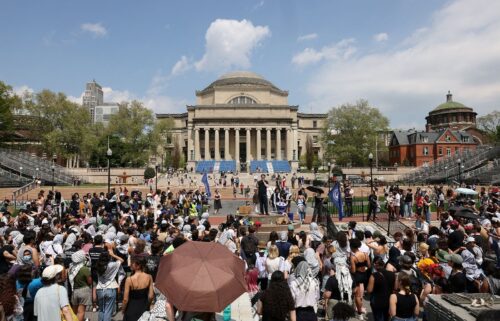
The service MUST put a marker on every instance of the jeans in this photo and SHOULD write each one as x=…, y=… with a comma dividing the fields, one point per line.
x=428, y=216
x=348, y=205
x=106, y=299
x=380, y=314
x=407, y=209
x=264, y=205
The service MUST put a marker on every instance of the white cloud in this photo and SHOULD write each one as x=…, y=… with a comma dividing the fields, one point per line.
x=181, y=66
x=229, y=44
x=23, y=90
x=310, y=36
x=381, y=37
x=458, y=51
x=341, y=50
x=96, y=29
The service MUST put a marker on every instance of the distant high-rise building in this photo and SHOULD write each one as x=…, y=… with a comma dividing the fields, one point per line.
x=93, y=97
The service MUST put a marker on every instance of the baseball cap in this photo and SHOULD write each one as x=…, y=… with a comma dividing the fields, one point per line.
x=469, y=240
x=455, y=258
x=51, y=271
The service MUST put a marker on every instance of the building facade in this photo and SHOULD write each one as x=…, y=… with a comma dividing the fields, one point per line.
x=450, y=129
x=93, y=100
x=244, y=119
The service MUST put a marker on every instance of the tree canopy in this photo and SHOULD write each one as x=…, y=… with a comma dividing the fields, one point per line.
x=8, y=100
x=490, y=124
x=352, y=131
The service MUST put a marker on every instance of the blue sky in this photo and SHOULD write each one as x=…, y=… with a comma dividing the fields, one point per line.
x=403, y=56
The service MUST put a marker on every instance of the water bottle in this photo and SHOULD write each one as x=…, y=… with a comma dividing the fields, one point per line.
x=227, y=313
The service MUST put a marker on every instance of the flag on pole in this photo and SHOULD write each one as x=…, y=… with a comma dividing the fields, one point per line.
x=204, y=180
x=336, y=198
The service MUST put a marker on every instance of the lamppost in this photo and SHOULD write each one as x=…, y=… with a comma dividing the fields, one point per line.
x=20, y=172
x=459, y=162
x=109, y=153
x=36, y=169
x=446, y=170
x=370, y=158
x=53, y=168
x=156, y=177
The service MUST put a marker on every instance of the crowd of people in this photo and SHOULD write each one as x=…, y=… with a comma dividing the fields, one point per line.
x=101, y=252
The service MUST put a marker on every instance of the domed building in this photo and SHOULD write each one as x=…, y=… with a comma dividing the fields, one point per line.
x=242, y=121
x=451, y=114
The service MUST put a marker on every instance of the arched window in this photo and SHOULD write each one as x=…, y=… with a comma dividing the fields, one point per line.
x=242, y=100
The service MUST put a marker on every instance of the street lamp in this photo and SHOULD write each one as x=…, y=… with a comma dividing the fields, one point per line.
x=446, y=170
x=370, y=158
x=53, y=168
x=109, y=153
x=459, y=162
x=20, y=172
x=156, y=177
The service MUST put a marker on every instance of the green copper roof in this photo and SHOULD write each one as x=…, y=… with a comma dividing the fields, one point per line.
x=450, y=105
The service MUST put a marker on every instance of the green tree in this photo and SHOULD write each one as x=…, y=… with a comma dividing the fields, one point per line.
x=8, y=101
x=149, y=173
x=354, y=128
x=490, y=125
x=63, y=127
x=309, y=152
x=133, y=127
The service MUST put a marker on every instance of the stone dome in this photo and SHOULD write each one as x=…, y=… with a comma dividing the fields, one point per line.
x=241, y=79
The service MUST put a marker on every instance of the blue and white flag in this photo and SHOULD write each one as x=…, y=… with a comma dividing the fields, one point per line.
x=336, y=198
x=204, y=180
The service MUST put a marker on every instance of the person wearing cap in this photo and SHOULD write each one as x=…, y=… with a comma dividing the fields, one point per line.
x=472, y=260
x=52, y=299
x=456, y=281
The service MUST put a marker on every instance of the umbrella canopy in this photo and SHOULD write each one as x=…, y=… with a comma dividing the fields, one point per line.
x=465, y=191
x=201, y=277
x=465, y=213
x=315, y=189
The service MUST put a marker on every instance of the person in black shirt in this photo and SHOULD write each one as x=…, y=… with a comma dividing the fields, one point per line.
x=94, y=254
x=456, y=238
x=332, y=294
x=372, y=205
x=457, y=282
x=380, y=285
x=262, y=186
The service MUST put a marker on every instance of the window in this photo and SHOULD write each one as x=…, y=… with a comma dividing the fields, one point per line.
x=242, y=100
x=448, y=151
x=426, y=151
x=465, y=139
x=315, y=124
x=425, y=139
x=440, y=151
x=456, y=150
x=448, y=138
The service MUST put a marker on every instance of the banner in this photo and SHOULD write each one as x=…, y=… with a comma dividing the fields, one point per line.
x=336, y=198
x=204, y=180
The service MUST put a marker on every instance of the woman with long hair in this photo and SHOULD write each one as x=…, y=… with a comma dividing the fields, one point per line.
x=273, y=237
x=404, y=305
x=9, y=298
x=360, y=263
x=139, y=290
x=380, y=285
x=274, y=262
x=107, y=284
x=276, y=303
x=305, y=291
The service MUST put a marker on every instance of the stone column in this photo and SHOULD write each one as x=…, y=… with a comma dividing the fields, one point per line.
x=190, y=143
x=249, y=150
x=237, y=146
x=226, y=144
x=295, y=145
x=207, y=143
x=216, y=145
x=197, y=153
x=289, y=144
x=268, y=144
x=278, y=143
x=259, y=138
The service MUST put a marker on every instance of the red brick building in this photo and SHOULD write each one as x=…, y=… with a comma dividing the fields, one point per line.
x=450, y=129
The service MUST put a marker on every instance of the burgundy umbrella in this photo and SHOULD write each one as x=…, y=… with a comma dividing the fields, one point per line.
x=201, y=277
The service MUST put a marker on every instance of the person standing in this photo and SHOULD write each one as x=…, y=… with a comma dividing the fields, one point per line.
x=217, y=201
x=262, y=187
x=276, y=303
x=107, y=284
x=52, y=299
x=348, y=195
x=80, y=280
x=380, y=285
x=139, y=290
x=404, y=305
x=372, y=205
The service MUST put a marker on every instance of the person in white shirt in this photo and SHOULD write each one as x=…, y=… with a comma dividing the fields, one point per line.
x=260, y=263
x=305, y=291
